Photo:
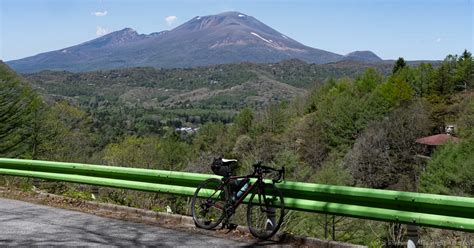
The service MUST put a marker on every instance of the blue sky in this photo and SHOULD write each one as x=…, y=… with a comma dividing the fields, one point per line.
x=413, y=29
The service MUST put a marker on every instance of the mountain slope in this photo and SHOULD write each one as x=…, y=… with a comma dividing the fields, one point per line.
x=363, y=56
x=229, y=37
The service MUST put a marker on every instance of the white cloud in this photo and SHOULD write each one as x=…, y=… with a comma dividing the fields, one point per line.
x=438, y=40
x=99, y=13
x=101, y=31
x=170, y=20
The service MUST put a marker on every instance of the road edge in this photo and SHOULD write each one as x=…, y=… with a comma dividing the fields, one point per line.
x=182, y=220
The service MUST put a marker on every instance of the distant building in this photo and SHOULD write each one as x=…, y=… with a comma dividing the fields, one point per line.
x=188, y=130
x=431, y=142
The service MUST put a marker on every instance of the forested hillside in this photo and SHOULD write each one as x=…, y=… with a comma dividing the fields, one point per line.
x=352, y=126
x=147, y=100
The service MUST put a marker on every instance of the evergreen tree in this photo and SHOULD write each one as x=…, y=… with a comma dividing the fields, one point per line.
x=400, y=64
x=465, y=71
x=18, y=104
x=423, y=79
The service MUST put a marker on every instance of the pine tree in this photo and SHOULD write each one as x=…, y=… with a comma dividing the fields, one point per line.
x=400, y=64
x=18, y=105
x=465, y=71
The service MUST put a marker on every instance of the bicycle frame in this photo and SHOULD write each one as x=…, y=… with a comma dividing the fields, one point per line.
x=264, y=199
x=247, y=192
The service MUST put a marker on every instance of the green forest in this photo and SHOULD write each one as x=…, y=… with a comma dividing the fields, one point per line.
x=355, y=128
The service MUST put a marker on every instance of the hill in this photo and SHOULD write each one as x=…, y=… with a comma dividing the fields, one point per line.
x=366, y=56
x=230, y=86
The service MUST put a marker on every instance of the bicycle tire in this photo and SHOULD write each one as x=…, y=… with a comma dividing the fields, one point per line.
x=264, y=220
x=209, y=212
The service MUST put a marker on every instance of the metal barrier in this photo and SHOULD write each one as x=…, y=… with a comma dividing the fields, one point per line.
x=449, y=212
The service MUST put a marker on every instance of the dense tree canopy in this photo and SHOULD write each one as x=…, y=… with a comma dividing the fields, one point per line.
x=19, y=107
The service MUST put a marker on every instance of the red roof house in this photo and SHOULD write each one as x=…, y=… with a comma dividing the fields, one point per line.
x=436, y=140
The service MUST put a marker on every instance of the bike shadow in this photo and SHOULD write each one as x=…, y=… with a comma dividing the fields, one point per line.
x=268, y=243
x=280, y=242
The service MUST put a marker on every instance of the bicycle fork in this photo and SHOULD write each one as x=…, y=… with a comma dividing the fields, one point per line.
x=270, y=211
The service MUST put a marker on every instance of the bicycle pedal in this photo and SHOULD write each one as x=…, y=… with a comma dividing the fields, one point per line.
x=224, y=224
x=232, y=226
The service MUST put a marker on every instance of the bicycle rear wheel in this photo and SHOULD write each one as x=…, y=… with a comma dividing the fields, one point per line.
x=208, y=204
x=265, y=211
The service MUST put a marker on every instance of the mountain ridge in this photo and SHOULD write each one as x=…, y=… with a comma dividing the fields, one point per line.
x=229, y=37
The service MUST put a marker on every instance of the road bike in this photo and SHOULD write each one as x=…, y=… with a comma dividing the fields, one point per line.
x=216, y=200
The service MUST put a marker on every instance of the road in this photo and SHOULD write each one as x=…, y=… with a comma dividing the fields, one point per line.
x=26, y=224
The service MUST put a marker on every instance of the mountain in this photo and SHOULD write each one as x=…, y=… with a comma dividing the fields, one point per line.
x=363, y=56
x=229, y=37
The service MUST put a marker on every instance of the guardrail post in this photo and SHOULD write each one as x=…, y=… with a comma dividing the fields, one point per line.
x=36, y=182
x=95, y=191
x=412, y=236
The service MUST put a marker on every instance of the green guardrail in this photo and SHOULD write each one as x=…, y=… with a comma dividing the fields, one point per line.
x=407, y=201
x=440, y=211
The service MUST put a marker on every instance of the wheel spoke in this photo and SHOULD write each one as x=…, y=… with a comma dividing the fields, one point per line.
x=265, y=213
x=208, y=212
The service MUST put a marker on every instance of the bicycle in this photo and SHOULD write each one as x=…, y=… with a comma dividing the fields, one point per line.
x=214, y=202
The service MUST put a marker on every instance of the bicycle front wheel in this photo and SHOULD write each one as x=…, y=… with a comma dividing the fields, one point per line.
x=208, y=203
x=265, y=211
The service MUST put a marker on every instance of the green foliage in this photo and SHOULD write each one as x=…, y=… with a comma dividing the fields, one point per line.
x=149, y=152
x=296, y=169
x=444, y=82
x=316, y=95
x=466, y=117
x=333, y=172
x=465, y=71
x=451, y=170
x=244, y=145
x=385, y=152
x=338, y=115
x=19, y=106
x=133, y=151
x=244, y=120
x=64, y=134
x=173, y=153
x=424, y=76
x=77, y=194
x=399, y=64
x=350, y=230
x=393, y=92
x=120, y=197
x=275, y=118
x=368, y=81
x=214, y=138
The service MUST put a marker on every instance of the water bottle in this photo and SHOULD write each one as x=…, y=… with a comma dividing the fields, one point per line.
x=242, y=189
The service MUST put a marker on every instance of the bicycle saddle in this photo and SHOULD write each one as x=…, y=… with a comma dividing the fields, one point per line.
x=224, y=160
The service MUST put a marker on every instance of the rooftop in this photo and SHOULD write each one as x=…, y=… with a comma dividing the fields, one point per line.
x=437, y=139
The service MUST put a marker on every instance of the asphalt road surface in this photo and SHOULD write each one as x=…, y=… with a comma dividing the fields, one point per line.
x=26, y=224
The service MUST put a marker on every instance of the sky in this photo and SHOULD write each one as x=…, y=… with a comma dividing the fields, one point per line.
x=412, y=29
